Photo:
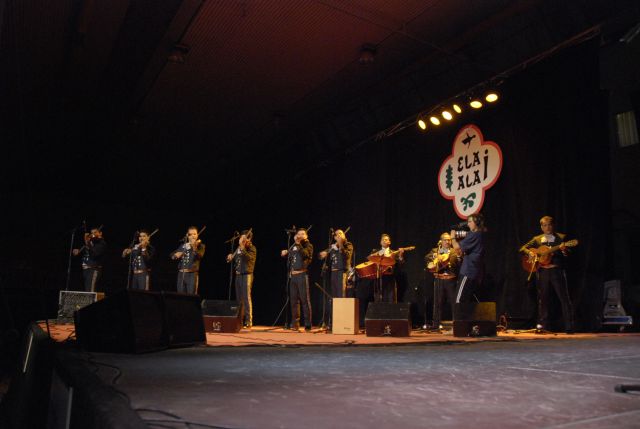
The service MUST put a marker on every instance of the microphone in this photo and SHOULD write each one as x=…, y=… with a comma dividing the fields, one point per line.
x=291, y=231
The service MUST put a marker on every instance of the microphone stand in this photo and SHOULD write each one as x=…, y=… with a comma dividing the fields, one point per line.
x=326, y=296
x=73, y=238
x=323, y=274
x=130, y=270
x=236, y=234
x=439, y=293
x=289, y=232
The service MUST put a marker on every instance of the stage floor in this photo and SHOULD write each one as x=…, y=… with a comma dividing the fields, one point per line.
x=269, y=336
x=523, y=381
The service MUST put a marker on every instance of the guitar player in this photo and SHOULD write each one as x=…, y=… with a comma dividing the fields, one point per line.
x=551, y=273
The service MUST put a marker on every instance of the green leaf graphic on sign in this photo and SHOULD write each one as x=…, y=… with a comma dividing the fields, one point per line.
x=468, y=201
x=449, y=176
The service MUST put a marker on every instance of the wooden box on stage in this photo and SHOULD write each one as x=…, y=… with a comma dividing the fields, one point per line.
x=474, y=319
x=346, y=316
x=221, y=316
x=387, y=319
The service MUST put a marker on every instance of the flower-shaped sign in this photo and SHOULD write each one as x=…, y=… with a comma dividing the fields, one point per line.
x=473, y=167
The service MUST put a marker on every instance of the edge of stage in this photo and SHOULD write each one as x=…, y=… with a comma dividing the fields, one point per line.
x=278, y=336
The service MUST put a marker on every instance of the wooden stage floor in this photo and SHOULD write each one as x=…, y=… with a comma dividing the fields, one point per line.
x=278, y=336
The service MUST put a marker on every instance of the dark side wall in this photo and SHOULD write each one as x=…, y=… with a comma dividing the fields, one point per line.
x=619, y=71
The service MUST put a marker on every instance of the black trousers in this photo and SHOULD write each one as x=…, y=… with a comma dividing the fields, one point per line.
x=338, y=284
x=243, y=283
x=465, y=289
x=300, y=296
x=338, y=288
x=90, y=277
x=187, y=283
x=140, y=281
x=556, y=279
x=442, y=288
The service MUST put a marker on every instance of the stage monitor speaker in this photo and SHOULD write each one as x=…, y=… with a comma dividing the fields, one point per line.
x=345, y=316
x=387, y=319
x=72, y=301
x=130, y=321
x=221, y=316
x=474, y=319
x=183, y=318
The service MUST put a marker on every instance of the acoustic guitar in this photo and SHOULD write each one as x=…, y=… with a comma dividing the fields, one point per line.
x=542, y=256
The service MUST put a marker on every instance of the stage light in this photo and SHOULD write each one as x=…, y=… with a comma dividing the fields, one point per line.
x=475, y=103
x=422, y=124
x=457, y=109
x=447, y=115
x=491, y=97
x=434, y=120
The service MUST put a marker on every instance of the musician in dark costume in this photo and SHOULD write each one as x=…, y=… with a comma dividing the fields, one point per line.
x=471, y=247
x=189, y=256
x=443, y=263
x=339, y=254
x=299, y=257
x=92, y=253
x=389, y=292
x=244, y=261
x=551, y=275
x=141, y=256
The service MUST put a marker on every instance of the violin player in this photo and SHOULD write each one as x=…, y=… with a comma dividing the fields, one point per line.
x=189, y=255
x=141, y=257
x=92, y=255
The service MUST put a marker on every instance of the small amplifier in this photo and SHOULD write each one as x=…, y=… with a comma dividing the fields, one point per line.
x=221, y=316
x=474, y=319
x=388, y=319
x=72, y=301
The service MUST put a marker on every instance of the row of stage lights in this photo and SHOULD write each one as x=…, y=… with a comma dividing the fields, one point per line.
x=447, y=114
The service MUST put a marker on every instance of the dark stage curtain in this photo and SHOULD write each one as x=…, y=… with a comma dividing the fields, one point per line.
x=551, y=127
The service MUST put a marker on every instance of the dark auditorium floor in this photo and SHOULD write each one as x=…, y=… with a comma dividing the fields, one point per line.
x=562, y=383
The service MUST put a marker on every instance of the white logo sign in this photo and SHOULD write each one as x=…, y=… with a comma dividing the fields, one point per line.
x=473, y=167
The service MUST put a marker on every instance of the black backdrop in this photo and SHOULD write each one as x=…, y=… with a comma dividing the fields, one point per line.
x=551, y=127
x=550, y=124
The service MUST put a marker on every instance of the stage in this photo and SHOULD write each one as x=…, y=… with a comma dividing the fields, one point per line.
x=278, y=336
x=317, y=380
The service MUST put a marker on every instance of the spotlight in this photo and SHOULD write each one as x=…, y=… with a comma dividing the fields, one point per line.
x=422, y=124
x=491, y=97
x=447, y=115
x=475, y=103
x=434, y=120
x=457, y=108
